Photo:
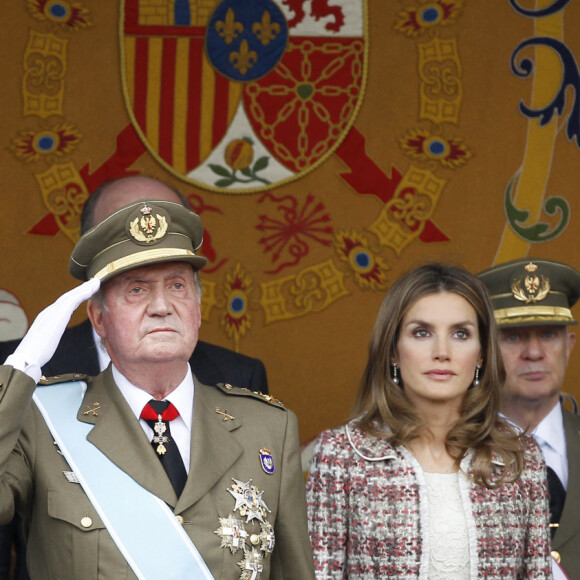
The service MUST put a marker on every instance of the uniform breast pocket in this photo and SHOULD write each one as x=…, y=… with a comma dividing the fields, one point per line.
x=80, y=546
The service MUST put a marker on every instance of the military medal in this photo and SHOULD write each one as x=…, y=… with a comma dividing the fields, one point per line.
x=160, y=439
x=249, y=500
x=251, y=565
x=267, y=461
x=267, y=538
x=232, y=533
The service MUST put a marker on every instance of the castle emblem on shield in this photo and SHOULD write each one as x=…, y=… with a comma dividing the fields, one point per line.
x=239, y=96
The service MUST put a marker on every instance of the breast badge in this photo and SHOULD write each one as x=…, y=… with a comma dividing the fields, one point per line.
x=254, y=537
x=267, y=461
x=249, y=500
x=232, y=533
x=251, y=565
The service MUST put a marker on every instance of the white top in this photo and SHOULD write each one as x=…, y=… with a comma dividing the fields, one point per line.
x=448, y=533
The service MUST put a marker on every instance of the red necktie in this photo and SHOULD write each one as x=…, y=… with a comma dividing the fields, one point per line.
x=158, y=414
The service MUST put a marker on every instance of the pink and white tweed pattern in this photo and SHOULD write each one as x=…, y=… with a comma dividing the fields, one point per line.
x=367, y=511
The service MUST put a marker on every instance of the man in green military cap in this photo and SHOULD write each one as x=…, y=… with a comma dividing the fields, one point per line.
x=532, y=300
x=141, y=471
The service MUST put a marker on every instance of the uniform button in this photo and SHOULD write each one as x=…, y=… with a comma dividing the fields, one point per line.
x=180, y=519
x=556, y=556
x=255, y=539
x=86, y=522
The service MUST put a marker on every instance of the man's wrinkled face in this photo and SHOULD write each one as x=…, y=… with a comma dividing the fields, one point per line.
x=149, y=314
x=535, y=359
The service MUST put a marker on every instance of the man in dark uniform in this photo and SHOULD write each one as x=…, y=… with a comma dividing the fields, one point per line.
x=532, y=300
x=174, y=475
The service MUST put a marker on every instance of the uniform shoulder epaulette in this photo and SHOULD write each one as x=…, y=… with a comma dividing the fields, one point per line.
x=244, y=392
x=66, y=378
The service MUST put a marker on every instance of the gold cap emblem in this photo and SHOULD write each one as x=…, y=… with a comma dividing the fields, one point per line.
x=532, y=288
x=531, y=267
x=148, y=228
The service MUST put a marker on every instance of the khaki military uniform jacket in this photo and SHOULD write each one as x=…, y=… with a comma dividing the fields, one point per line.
x=61, y=547
x=567, y=539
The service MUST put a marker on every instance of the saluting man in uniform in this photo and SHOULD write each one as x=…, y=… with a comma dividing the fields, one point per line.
x=532, y=300
x=142, y=471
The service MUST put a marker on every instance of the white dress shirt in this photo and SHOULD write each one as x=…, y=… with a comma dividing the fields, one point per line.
x=181, y=397
x=552, y=441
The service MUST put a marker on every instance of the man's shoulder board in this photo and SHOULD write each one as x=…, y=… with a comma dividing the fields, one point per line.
x=243, y=392
x=67, y=378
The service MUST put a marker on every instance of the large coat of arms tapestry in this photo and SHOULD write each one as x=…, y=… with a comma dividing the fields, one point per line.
x=328, y=146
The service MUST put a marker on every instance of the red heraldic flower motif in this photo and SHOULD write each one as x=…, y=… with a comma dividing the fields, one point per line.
x=417, y=20
x=237, y=319
x=369, y=269
x=31, y=146
x=421, y=145
x=72, y=15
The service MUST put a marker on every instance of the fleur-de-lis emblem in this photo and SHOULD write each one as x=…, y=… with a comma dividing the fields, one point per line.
x=244, y=60
x=266, y=31
x=229, y=29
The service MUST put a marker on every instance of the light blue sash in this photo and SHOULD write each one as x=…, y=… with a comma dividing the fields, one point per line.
x=135, y=518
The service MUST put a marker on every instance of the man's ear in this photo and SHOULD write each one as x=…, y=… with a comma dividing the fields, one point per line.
x=571, y=341
x=95, y=311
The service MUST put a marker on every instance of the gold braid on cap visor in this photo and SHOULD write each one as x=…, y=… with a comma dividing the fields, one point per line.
x=141, y=258
x=528, y=314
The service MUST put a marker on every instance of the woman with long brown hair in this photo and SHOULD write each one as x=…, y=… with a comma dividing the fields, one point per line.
x=427, y=481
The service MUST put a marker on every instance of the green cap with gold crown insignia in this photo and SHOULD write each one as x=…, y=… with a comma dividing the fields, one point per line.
x=532, y=292
x=140, y=234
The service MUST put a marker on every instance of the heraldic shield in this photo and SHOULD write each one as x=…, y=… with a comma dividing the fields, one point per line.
x=239, y=96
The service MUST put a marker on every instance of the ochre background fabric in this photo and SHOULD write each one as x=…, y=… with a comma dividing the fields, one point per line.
x=409, y=141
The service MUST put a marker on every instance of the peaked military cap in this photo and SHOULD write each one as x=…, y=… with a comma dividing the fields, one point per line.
x=532, y=292
x=143, y=233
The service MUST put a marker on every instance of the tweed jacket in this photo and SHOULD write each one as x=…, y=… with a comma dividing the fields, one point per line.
x=59, y=547
x=368, y=513
x=566, y=541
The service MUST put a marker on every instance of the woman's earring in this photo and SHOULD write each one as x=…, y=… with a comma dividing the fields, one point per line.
x=476, y=381
x=395, y=377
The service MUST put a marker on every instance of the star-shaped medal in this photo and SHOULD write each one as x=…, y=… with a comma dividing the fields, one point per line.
x=249, y=500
